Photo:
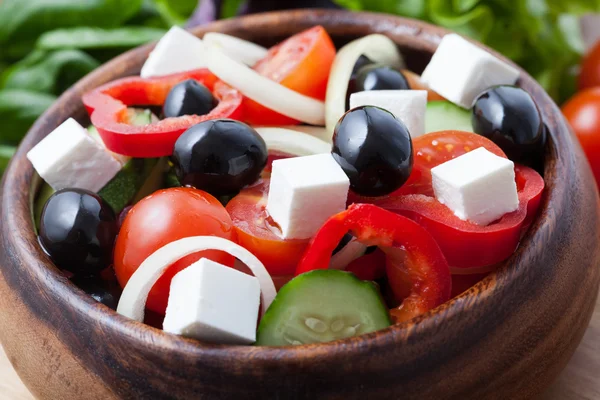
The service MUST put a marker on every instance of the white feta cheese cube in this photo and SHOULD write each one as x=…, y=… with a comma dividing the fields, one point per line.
x=305, y=192
x=71, y=158
x=214, y=303
x=177, y=51
x=460, y=71
x=407, y=105
x=119, y=157
x=478, y=186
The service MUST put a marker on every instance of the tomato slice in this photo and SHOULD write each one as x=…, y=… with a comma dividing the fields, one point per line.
x=250, y=219
x=161, y=218
x=274, y=155
x=300, y=63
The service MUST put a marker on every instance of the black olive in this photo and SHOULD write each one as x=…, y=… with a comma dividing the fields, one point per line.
x=380, y=77
x=219, y=156
x=374, y=149
x=361, y=62
x=189, y=98
x=369, y=76
x=107, y=293
x=78, y=230
x=509, y=117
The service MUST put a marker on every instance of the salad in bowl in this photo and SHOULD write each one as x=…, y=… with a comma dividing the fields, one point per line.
x=226, y=170
x=308, y=204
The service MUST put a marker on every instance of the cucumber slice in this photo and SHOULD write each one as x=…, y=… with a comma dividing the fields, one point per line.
x=320, y=306
x=443, y=115
x=154, y=181
x=138, y=179
x=141, y=116
x=123, y=188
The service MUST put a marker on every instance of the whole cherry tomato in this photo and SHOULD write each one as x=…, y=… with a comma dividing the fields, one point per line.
x=164, y=217
x=590, y=69
x=583, y=113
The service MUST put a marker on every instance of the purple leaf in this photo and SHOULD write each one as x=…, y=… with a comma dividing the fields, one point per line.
x=207, y=11
x=256, y=6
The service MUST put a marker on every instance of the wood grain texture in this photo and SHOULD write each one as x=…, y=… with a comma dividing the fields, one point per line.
x=580, y=380
x=507, y=337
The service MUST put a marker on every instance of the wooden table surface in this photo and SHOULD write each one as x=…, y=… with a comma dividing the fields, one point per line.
x=579, y=381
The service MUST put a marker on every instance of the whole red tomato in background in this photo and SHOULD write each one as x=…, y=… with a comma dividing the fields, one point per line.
x=583, y=113
x=590, y=69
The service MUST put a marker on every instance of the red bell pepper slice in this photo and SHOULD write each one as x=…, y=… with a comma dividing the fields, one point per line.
x=417, y=270
x=465, y=244
x=107, y=106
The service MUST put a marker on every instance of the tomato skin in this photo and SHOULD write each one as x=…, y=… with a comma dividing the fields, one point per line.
x=300, y=63
x=583, y=113
x=248, y=213
x=590, y=69
x=161, y=218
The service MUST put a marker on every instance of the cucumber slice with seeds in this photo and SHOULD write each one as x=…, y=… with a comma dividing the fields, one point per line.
x=321, y=306
x=443, y=116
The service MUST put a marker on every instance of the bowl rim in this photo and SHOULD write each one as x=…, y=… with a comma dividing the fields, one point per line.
x=417, y=33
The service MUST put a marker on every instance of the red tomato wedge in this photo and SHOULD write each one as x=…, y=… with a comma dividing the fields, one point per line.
x=417, y=270
x=164, y=217
x=300, y=63
x=107, y=106
x=250, y=219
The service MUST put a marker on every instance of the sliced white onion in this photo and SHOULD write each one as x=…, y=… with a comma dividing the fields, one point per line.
x=133, y=299
x=292, y=142
x=239, y=49
x=350, y=252
x=320, y=132
x=263, y=90
x=378, y=48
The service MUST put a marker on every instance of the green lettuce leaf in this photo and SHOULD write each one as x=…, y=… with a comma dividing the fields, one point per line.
x=18, y=110
x=22, y=21
x=48, y=72
x=96, y=38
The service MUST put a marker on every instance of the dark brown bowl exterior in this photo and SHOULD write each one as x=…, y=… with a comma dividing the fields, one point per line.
x=506, y=338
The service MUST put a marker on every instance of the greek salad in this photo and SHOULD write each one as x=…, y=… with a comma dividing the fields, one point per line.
x=292, y=195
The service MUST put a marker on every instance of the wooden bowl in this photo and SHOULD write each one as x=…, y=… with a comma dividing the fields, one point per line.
x=505, y=338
